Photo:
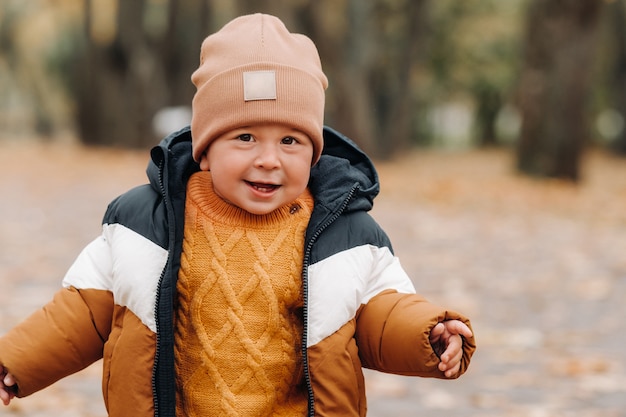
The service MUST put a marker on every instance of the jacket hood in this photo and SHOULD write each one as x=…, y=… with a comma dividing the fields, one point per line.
x=342, y=169
x=170, y=160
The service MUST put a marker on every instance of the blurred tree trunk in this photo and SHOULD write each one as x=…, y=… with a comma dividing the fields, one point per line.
x=368, y=50
x=338, y=30
x=121, y=84
x=113, y=103
x=555, y=83
x=617, y=23
x=488, y=105
x=402, y=29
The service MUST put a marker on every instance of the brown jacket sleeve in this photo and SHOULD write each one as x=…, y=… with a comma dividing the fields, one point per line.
x=392, y=335
x=63, y=337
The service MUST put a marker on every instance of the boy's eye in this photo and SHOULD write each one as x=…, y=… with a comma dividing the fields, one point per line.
x=246, y=137
x=289, y=140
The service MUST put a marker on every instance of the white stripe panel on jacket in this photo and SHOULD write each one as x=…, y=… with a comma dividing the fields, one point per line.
x=341, y=283
x=126, y=263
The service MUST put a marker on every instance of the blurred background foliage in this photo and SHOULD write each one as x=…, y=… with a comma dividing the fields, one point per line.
x=543, y=78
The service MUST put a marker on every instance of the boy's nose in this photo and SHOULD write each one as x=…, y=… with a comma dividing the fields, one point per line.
x=267, y=157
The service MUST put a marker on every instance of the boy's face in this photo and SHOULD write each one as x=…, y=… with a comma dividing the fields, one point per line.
x=259, y=168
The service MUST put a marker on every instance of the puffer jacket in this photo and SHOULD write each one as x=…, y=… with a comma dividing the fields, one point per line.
x=117, y=300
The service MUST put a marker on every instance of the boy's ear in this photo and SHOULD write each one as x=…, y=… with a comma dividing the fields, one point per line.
x=204, y=161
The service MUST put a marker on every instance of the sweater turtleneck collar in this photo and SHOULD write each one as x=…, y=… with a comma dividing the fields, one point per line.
x=201, y=193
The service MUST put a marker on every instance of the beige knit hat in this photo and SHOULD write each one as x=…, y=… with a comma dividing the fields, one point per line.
x=255, y=71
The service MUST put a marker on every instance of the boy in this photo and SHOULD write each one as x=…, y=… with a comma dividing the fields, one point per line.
x=247, y=278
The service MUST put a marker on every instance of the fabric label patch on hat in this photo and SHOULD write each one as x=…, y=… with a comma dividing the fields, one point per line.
x=259, y=85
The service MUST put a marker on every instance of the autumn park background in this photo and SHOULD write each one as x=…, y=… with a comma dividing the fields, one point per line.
x=497, y=126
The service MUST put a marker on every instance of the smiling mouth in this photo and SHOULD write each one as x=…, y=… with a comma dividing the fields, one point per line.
x=264, y=188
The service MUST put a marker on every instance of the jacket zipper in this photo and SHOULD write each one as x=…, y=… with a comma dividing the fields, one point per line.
x=305, y=291
x=157, y=350
x=155, y=395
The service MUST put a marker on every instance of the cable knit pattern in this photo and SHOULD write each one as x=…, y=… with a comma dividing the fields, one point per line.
x=239, y=317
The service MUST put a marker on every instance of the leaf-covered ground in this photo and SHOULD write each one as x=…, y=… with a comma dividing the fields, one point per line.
x=539, y=266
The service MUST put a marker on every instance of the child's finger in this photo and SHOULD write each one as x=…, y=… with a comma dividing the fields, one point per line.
x=5, y=394
x=458, y=327
x=453, y=371
x=455, y=346
x=9, y=380
x=452, y=363
x=7, y=388
x=437, y=331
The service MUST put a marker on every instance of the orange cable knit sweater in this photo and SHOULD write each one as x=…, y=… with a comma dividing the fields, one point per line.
x=238, y=321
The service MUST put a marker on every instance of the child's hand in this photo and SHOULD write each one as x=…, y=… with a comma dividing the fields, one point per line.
x=445, y=338
x=7, y=386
